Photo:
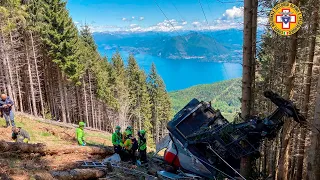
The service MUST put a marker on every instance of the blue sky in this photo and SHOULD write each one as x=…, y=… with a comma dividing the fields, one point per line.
x=145, y=15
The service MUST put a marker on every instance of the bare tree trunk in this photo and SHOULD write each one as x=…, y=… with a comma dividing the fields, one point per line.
x=287, y=128
x=313, y=165
x=85, y=102
x=254, y=48
x=92, y=103
x=5, y=63
x=19, y=89
x=245, y=167
x=10, y=72
x=61, y=92
x=32, y=91
x=314, y=27
x=37, y=74
x=79, y=110
x=66, y=99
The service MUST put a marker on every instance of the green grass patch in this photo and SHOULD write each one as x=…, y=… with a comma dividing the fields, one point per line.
x=45, y=134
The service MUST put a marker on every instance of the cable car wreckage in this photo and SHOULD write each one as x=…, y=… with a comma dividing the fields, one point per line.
x=204, y=144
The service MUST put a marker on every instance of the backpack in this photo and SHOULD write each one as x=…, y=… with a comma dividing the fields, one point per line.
x=134, y=144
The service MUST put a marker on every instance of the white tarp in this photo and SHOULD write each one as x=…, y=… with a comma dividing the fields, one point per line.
x=115, y=158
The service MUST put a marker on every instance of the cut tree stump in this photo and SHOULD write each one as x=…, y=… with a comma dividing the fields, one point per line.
x=45, y=150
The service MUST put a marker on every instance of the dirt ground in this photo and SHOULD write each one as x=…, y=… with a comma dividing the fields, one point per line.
x=15, y=165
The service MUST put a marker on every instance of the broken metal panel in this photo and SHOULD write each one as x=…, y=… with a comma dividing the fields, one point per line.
x=162, y=144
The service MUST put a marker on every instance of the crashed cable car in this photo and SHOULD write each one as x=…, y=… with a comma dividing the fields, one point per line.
x=202, y=142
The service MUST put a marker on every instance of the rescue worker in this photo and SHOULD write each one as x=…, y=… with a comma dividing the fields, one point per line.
x=142, y=144
x=117, y=140
x=20, y=135
x=80, y=134
x=130, y=147
x=6, y=109
x=126, y=133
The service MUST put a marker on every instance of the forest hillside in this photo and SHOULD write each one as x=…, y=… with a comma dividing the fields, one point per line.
x=224, y=95
x=53, y=70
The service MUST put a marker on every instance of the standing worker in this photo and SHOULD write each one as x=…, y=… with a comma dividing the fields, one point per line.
x=20, y=135
x=80, y=134
x=6, y=109
x=117, y=140
x=142, y=143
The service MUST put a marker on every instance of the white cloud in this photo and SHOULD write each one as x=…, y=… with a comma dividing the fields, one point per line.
x=76, y=22
x=196, y=23
x=141, y=18
x=184, y=23
x=262, y=20
x=132, y=17
x=104, y=28
x=133, y=25
x=164, y=26
x=124, y=19
x=235, y=12
x=219, y=24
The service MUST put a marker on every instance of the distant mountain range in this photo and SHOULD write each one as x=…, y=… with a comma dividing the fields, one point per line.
x=224, y=45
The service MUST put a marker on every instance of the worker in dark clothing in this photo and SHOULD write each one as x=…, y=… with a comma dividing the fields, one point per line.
x=6, y=109
x=142, y=144
x=20, y=135
x=117, y=141
x=130, y=147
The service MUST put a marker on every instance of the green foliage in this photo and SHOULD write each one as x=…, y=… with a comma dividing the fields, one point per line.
x=159, y=98
x=13, y=13
x=224, y=96
x=60, y=36
x=125, y=90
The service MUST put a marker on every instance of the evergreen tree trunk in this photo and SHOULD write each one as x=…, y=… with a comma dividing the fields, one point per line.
x=92, y=103
x=66, y=100
x=6, y=64
x=287, y=128
x=245, y=167
x=301, y=147
x=31, y=83
x=61, y=93
x=85, y=103
x=13, y=61
x=37, y=74
x=19, y=89
x=313, y=161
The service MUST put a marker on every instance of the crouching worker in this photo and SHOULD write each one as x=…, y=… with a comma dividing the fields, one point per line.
x=20, y=135
x=80, y=134
x=142, y=143
x=117, y=141
x=130, y=148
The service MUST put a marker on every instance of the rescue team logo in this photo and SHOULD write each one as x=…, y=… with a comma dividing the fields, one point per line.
x=285, y=18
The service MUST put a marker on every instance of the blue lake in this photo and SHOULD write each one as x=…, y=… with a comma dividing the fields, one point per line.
x=183, y=73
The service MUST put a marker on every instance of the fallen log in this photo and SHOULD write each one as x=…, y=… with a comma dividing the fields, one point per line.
x=74, y=174
x=46, y=150
x=79, y=174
